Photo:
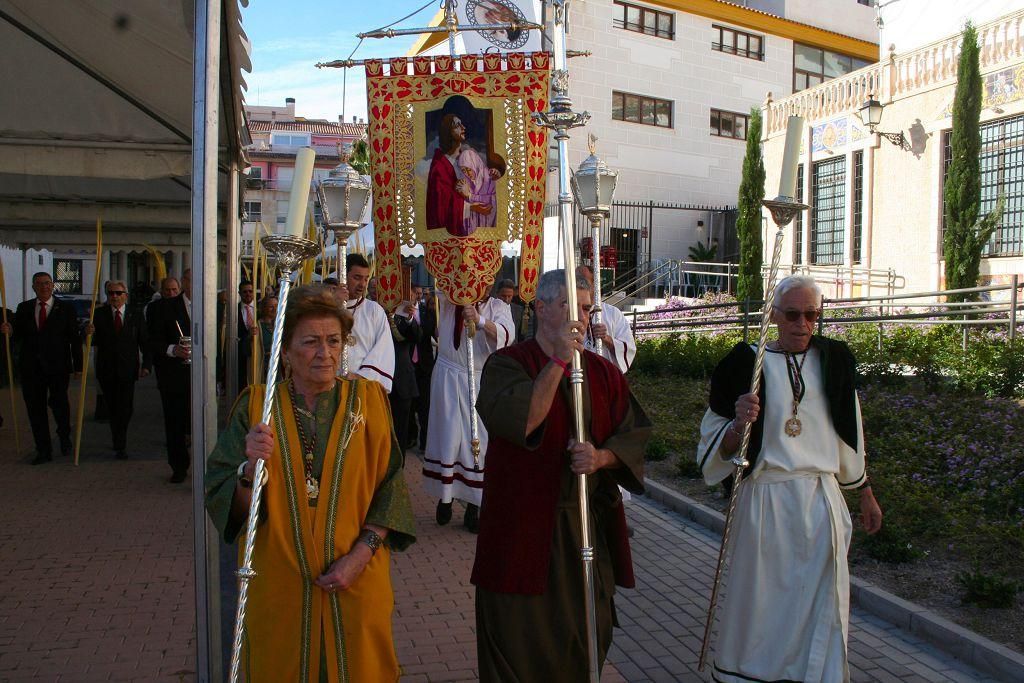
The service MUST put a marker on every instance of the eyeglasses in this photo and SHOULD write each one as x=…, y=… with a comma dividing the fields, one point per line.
x=809, y=316
x=117, y=293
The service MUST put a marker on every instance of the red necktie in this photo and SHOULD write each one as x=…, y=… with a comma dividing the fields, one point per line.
x=117, y=321
x=248, y=317
x=42, y=314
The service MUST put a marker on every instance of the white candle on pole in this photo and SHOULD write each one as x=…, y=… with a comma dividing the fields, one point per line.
x=791, y=157
x=299, y=200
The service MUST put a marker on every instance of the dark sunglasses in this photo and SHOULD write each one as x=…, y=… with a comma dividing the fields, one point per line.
x=809, y=316
x=117, y=293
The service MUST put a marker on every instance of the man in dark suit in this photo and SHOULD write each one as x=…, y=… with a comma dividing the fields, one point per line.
x=247, y=325
x=46, y=330
x=506, y=291
x=170, y=320
x=404, y=390
x=119, y=335
x=423, y=363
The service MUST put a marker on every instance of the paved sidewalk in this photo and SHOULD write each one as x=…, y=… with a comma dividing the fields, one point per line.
x=96, y=579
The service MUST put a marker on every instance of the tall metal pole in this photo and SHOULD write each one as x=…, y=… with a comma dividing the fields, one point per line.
x=561, y=118
x=233, y=230
x=596, y=315
x=205, y=120
x=341, y=246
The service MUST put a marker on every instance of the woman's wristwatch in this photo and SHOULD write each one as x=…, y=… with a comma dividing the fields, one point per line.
x=372, y=539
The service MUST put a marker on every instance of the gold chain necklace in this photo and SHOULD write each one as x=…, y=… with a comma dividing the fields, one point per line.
x=312, y=483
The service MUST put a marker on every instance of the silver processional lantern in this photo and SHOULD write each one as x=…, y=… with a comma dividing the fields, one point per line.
x=594, y=187
x=343, y=196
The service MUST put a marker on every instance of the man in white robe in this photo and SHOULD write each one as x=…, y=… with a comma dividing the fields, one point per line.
x=614, y=331
x=784, y=614
x=373, y=356
x=449, y=470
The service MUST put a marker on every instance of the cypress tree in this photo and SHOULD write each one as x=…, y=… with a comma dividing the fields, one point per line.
x=964, y=236
x=748, y=221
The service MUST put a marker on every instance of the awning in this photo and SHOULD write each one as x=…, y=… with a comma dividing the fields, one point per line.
x=97, y=117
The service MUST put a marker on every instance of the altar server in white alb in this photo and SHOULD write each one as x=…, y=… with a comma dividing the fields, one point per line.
x=618, y=344
x=785, y=610
x=373, y=356
x=448, y=468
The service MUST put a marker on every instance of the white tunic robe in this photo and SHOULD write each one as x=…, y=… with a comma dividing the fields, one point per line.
x=785, y=610
x=622, y=350
x=448, y=468
x=373, y=355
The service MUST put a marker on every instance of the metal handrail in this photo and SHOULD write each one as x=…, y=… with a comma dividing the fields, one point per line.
x=961, y=314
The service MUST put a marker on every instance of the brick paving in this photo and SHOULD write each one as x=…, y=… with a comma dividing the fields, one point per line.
x=96, y=579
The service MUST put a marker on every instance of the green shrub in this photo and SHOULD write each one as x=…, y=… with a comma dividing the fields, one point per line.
x=657, y=449
x=987, y=590
x=891, y=544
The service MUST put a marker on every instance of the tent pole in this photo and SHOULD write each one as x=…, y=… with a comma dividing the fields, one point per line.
x=233, y=227
x=205, y=127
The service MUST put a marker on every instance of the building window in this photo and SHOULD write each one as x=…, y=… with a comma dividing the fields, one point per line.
x=649, y=111
x=828, y=209
x=254, y=211
x=864, y=2
x=740, y=43
x=254, y=172
x=727, y=124
x=67, y=276
x=644, y=20
x=1002, y=173
x=289, y=139
x=798, y=220
x=858, y=204
x=813, y=66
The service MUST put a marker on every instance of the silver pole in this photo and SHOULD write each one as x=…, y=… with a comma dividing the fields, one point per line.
x=343, y=280
x=205, y=120
x=289, y=252
x=595, y=225
x=449, y=20
x=474, y=426
x=561, y=119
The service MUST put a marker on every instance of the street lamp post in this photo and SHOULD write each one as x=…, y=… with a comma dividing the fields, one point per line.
x=594, y=187
x=343, y=197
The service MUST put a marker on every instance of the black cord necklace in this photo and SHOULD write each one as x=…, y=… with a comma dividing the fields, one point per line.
x=794, y=370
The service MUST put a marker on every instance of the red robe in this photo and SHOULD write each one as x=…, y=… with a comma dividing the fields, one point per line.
x=445, y=206
x=523, y=482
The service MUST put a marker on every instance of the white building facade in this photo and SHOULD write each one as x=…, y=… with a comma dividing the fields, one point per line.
x=878, y=207
x=670, y=85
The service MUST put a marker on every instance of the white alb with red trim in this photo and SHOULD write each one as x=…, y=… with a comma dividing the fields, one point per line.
x=373, y=355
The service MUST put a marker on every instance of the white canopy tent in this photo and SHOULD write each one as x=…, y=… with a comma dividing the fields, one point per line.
x=131, y=111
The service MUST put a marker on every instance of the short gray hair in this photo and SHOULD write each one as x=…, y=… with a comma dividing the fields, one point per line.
x=552, y=284
x=791, y=283
x=111, y=283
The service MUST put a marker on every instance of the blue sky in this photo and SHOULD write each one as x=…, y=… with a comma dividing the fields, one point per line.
x=289, y=37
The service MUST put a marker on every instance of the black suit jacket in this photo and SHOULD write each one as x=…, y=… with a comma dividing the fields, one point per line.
x=403, y=385
x=54, y=350
x=244, y=338
x=425, y=348
x=117, y=353
x=164, y=318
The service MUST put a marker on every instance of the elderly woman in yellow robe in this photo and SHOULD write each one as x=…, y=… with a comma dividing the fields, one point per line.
x=335, y=504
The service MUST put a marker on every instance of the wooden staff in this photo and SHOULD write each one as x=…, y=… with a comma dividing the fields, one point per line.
x=88, y=341
x=10, y=365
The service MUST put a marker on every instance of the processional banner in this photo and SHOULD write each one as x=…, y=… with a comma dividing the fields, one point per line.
x=458, y=166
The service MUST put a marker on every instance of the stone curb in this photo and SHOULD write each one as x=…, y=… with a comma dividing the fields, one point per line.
x=981, y=653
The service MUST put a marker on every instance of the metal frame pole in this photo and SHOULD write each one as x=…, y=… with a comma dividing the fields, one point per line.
x=595, y=225
x=205, y=120
x=561, y=118
x=233, y=227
